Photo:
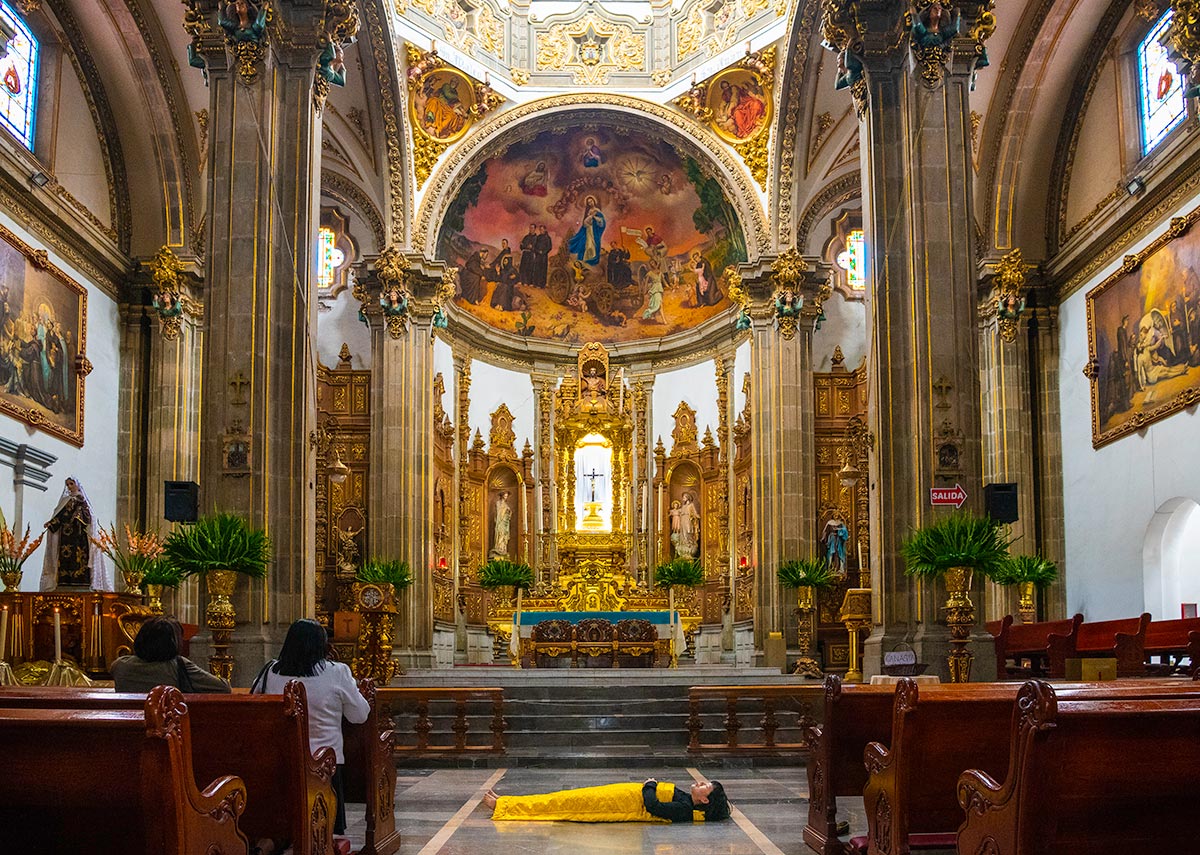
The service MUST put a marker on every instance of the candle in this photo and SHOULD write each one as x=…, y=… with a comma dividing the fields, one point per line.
x=57, y=635
x=860, y=561
x=3, y=631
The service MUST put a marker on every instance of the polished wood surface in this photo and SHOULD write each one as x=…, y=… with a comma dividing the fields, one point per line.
x=1123, y=640
x=1097, y=776
x=370, y=774
x=423, y=703
x=1020, y=641
x=114, y=781
x=263, y=739
x=1172, y=641
x=782, y=706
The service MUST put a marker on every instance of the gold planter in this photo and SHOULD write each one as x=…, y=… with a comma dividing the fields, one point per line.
x=220, y=618
x=154, y=596
x=132, y=579
x=960, y=617
x=1026, y=604
x=11, y=579
x=806, y=665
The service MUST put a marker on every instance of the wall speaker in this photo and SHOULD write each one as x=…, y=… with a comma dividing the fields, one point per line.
x=1001, y=502
x=181, y=501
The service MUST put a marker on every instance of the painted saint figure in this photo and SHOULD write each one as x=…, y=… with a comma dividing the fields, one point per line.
x=528, y=247
x=471, y=279
x=586, y=243
x=444, y=114
x=592, y=155
x=70, y=557
x=506, y=285
x=708, y=293
x=501, y=526
x=533, y=183
x=834, y=538
x=742, y=110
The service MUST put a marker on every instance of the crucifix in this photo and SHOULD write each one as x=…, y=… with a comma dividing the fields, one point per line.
x=942, y=388
x=239, y=384
x=592, y=476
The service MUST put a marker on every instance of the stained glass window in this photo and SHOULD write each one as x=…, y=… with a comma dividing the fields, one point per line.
x=853, y=259
x=330, y=258
x=1161, y=89
x=18, y=79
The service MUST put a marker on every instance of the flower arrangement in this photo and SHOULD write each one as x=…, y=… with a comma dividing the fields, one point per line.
x=13, y=554
x=134, y=557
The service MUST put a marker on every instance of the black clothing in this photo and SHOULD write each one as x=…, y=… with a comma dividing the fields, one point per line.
x=528, y=259
x=679, y=809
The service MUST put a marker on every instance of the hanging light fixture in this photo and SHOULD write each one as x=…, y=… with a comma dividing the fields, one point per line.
x=338, y=471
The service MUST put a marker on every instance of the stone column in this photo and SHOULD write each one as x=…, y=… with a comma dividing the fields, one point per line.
x=726, y=418
x=783, y=316
x=909, y=70
x=259, y=364
x=399, y=304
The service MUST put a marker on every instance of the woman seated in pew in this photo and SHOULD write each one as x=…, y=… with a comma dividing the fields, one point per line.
x=332, y=695
x=156, y=662
x=704, y=801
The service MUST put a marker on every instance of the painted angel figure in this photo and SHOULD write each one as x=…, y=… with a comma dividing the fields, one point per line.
x=244, y=20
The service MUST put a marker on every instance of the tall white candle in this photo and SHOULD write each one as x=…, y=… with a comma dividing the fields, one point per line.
x=3, y=632
x=860, y=562
x=57, y=635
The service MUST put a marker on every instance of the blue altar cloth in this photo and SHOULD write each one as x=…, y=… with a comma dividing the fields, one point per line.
x=530, y=618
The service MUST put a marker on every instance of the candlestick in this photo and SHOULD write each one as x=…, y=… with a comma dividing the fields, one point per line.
x=57, y=635
x=3, y=632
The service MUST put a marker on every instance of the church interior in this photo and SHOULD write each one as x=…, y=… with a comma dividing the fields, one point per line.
x=615, y=356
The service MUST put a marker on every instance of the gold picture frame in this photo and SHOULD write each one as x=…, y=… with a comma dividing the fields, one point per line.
x=739, y=105
x=1144, y=335
x=443, y=104
x=43, y=341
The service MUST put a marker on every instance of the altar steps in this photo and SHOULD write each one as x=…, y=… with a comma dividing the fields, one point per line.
x=591, y=717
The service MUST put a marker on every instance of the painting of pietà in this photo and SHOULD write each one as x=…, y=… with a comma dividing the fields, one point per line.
x=595, y=234
x=1144, y=336
x=42, y=330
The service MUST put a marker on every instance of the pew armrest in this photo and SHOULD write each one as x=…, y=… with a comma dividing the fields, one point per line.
x=885, y=823
x=990, y=814
x=877, y=758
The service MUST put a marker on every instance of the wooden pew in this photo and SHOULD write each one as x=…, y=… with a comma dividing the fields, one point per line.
x=1031, y=641
x=1123, y=640
x=261, y=738
x=1173, y=641
x=370, y=774
x=854, y=716
x=937, y=733
x=112, y=782
x=1099, y=777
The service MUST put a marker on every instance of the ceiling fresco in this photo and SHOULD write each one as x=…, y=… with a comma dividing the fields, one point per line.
x=592, y=233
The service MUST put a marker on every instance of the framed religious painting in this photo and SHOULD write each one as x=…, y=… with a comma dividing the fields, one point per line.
x=443, y=104
x=739, y=103
x=43, y=337
x=1144, y=335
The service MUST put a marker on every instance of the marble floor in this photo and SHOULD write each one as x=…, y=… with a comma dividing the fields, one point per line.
x=440, y=813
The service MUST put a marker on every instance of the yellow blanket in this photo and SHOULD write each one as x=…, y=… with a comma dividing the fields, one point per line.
x=609, y=803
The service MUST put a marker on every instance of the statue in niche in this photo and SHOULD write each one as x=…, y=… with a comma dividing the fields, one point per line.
x=834, y=539
x=501, y=526
x=685, y=527
x=594, y=384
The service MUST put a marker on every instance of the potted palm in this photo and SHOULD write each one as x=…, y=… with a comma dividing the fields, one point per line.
x=806, y=576
x=1027, y=573
x=954, y=548
x=678, y=572
x=384, y=571
x=158, y=576
x=502, y=573
x=220, y=548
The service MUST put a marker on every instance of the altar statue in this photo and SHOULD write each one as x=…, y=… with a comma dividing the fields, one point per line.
x=685, y=527
x=501, y=527
x=70, y=557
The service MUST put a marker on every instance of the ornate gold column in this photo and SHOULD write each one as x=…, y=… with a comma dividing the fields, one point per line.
x=264, y=164
x=543, y=439
x=785, y=305
x=909, y=69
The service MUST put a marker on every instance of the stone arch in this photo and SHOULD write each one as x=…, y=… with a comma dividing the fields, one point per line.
x=1172, y=541
x=500, y=132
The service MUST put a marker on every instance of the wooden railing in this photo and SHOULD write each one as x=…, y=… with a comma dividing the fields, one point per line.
x=802, y=701
x=418, y=702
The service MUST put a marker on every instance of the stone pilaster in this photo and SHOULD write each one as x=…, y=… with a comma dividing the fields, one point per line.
x=1047, y=469
x=259, y=366
x=909, y=68
x=786, y=306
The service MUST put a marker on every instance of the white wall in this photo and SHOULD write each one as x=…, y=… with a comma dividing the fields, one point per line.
x=95, y=465
x=492, y=386
x=697, y=385
x=1111, y=494
x=845, y=326
x=341, y=324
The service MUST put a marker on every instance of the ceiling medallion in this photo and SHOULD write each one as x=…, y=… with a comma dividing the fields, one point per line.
x=591, y=48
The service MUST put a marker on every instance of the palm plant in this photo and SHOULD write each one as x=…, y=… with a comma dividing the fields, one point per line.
x=686, y=572
x=806, y=573
x=162, y=573
x=959, y=540
x=1027, y=568
x=502, y=573
x=219, y=542
x=386, y=572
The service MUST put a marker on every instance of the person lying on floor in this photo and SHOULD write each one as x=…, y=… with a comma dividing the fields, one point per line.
x=632, y=802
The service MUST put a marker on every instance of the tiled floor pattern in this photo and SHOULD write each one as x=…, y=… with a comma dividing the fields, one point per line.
x=439, y=813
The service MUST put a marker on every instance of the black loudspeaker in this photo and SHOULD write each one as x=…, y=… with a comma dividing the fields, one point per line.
x=1001, y=502
x=181, y=501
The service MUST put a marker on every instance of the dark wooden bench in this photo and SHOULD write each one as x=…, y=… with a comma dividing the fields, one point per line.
x=1123, y=640
x=1020, y=641
x=112, y=781
x=1099, y=777
x=263, y=739
x=1172, y=641
x=854, y=715
x=370, y=774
